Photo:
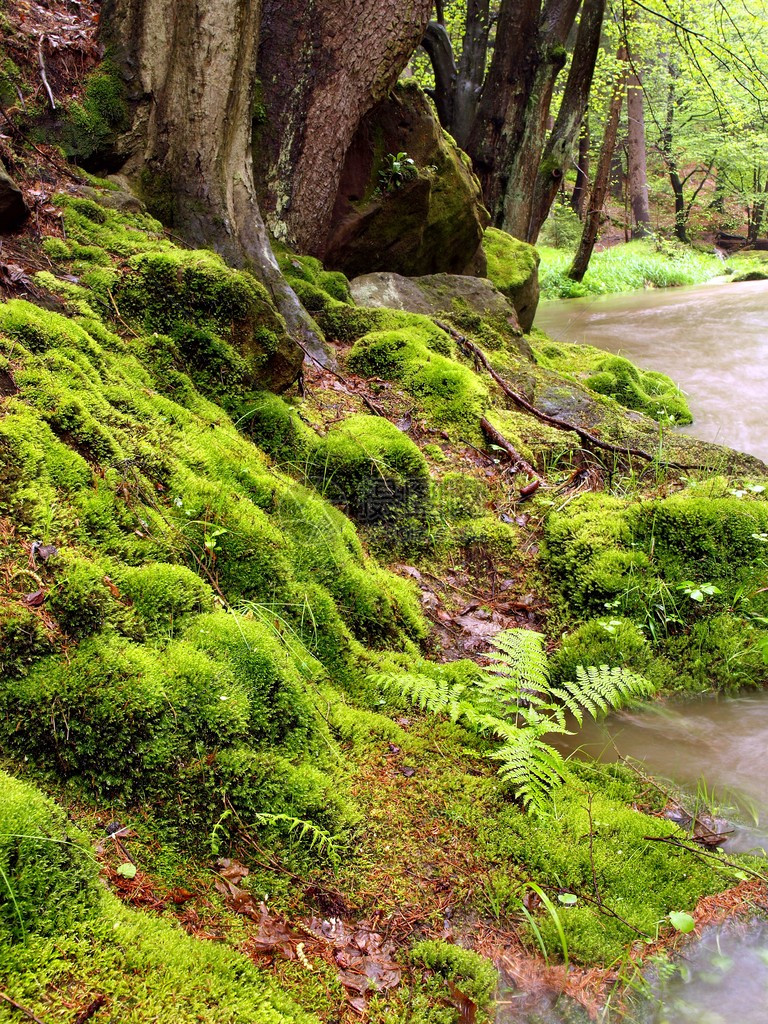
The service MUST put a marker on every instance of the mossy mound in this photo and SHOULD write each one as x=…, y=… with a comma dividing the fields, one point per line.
x=316, y=287
x=201, y=317
x=48, y=878
x=121, y=676
x=471, y=973
x=513, y=267
x=671, y=566
x=448, y=391
x=146, y=970
x=646, y=391
x=373, y=468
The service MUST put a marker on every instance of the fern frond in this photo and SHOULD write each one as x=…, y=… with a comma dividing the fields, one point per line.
x=597, y=690
x=326, y=843
x=520, y=657
x=532, y=767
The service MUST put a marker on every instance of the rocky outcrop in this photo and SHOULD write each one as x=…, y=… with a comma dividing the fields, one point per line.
x=430, y=224
x=13, y=210
x=441, y=295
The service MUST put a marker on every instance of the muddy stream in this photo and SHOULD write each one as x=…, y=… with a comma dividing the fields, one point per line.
x=713, y=341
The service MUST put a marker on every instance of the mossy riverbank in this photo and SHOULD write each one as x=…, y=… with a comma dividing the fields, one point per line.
x=204, y=584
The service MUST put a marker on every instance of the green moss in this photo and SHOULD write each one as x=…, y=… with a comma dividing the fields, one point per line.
x=603, y=641
x=374, y=469
x=510, y=261
x=48, y=878
x=277, y=428
x=317, y=288
x=92, y=125
x=640, y=880
x=345, y=323
x=149, y=971
x=23, y=638
x=474, y=976
x=644, y=390
x=447, y=391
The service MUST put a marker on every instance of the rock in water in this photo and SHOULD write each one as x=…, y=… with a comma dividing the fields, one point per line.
x=429, y=223
x=13, y=210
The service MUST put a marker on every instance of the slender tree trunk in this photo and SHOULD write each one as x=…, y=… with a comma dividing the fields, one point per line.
x=757, y=213
x=638, y=174
x=559, y=149
x=191, y=79
x=667, y=151
x=469, y=82
x=323, y=64
x=522, y=160
x=581, y=186
x=439, y=48
x=600, y=186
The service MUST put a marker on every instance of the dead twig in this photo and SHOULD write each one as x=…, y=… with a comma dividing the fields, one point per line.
x=20, y=1008
x=43, y=75
x=697, y=850
x=90, y=1009
x=497, y=438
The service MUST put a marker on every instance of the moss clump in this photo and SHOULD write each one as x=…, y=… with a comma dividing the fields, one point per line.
x=641, y=880
x=448, y=391
x=511, y=262
x=23, y=638
x=474, y=975
x=48, y=879
x=602, y=641
x=373, y=468
x=92, y=125
x=643, y=390
x=277, y=428
x=317, y=288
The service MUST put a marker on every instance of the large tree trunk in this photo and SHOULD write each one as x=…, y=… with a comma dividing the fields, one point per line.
x=191, y=78
x=471, y=71
x=508, y=135
x=559, y=149
x=322, y=66
x=638, y=174
x=600, y=186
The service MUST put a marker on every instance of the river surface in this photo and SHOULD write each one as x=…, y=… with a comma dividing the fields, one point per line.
x=711, y=339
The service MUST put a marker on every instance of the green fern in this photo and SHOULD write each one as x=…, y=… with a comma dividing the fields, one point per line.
x=514, y=703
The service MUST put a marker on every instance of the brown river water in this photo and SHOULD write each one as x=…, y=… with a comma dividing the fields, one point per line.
x=713, y=341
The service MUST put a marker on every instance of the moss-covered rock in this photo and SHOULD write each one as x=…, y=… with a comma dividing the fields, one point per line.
x=48, y=877
x=647, y=391
x=513, y=267
x=432, y=223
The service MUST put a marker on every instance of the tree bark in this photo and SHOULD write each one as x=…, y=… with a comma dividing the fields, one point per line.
x=581, y=186
x=439, y=49
x=508, y=135
x=191, y=79
x=602, y=178
x=558, y=152
x=637, y=170
x=471, y=72
x=323, y=64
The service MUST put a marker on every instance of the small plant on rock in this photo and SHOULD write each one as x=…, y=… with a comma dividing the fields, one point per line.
x=398, y=168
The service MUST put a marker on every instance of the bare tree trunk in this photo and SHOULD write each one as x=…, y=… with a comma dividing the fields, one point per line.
x=191, y=78
x=469, y=83
x=558, y=152
x=322, y=65
x=637, y=170
x=521, y=160
x=602, y=178
x=439, y=48
x=581, y=186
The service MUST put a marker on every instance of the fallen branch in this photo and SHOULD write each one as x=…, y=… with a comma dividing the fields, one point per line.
x=20, y=1008
x=43, y=75
x=497, y=438
x=588, y=438
x=697, y=850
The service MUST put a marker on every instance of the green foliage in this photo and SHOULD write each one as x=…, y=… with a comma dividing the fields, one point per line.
x=396, y=170
x=48, y=878
x=591, y=834
x=627, y=267
x=515, y=703
x=473, y=975
x=562, y=228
